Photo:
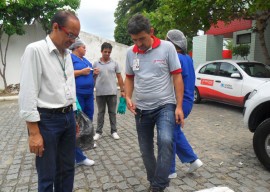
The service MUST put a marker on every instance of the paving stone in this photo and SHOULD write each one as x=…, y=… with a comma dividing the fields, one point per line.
x=133, y=181
x=123, y=185
x=226, y=151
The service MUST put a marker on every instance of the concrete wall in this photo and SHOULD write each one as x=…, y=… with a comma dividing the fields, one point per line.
x=16, y=48
x=256, y=53
x=34, y=33
x=93, y=52
x=252, y=43
x=207, y=48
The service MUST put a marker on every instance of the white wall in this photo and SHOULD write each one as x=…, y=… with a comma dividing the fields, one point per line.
x=206, y=48
x=34, y=33
x=93, y=49
x=16, y=48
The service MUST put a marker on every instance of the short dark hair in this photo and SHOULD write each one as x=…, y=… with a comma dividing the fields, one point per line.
x=106, y=45
x=61, y=17
x=138, y=23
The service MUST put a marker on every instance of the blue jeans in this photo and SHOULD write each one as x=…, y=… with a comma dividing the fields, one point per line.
x=181, y=146
x=164, y=118
x=56, y=167
x=79, y=155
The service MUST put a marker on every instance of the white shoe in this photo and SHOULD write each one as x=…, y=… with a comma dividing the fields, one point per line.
x=115, y=136
x=195, y=165
x=87, y=162
x=96, y=137
x=95, y=145
x=172, y=176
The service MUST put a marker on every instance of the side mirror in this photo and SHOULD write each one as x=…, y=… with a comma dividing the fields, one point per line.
x=236, y=76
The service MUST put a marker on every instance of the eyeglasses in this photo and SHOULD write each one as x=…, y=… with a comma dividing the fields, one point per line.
x=70, y=35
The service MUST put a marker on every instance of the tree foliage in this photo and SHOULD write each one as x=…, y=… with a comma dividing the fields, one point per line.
x=17, y=13
x=191, y=16
x=242, y=50
x=124, y=11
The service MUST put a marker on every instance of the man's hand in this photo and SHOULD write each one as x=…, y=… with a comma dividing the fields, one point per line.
x=179, y=116
x=96, y=71
x=131, y=106
x=123, y=94
x=36, y=144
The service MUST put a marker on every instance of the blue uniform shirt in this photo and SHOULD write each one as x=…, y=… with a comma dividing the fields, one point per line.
x=84, y=83
x=188, y=75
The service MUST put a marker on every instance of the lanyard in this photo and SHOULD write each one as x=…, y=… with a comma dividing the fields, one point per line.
x=62, y=64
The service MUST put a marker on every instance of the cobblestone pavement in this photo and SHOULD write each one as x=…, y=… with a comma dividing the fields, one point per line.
x=215, y=131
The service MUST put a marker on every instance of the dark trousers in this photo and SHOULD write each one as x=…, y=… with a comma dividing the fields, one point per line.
x=163, y=118
x=87, y=104
x=111, y=102
x=56, y=167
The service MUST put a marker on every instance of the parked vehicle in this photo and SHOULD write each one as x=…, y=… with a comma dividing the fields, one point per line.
x=257, y=119
x=229, y=81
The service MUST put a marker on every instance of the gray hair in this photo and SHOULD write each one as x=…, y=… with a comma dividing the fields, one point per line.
x=137, y=24
x=76, y=44
x=178, y=39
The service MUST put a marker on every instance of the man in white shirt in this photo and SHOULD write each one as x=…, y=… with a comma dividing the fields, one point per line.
x=47, y=92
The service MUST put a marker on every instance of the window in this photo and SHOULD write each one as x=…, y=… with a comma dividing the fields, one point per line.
x=255, y=69
x=209, y=69
x=226, y=70
x=243, y=38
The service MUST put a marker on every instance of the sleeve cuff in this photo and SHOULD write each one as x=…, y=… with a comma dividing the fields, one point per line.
x=30, y=116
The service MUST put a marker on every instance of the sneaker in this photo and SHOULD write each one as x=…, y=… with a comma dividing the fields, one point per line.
x=96, y=137
x=172, y=176
x=95, y=145
x=115, y=136
x=87, y=162
x=195, y=165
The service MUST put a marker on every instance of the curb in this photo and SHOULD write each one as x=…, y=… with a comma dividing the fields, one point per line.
x=9, y=98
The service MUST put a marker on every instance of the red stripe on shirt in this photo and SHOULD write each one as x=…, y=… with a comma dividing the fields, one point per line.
x=129, y=76
x=176, y=71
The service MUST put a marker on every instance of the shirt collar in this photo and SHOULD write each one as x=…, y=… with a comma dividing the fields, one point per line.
x=155, y=44
x=52, y=46
x=100, y=61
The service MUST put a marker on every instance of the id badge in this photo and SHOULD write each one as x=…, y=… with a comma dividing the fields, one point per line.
x=68, y=93
x=136, y=64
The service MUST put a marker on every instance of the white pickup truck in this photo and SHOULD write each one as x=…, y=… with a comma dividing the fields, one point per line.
x=257, y=119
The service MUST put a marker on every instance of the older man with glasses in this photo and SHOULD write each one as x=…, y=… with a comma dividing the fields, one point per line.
x=47, y=94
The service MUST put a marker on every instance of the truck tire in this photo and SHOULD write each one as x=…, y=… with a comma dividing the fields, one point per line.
x=197, y=97
x=261, y=143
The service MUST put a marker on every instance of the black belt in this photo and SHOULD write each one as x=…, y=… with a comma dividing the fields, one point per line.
x=56, y=110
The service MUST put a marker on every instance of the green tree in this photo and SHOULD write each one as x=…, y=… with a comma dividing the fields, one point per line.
x=15, y=14
x=228, y=44
x=124, y=11
x=194, y=15
x=242, y=50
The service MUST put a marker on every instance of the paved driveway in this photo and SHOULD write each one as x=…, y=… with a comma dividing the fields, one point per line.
x=216, y=132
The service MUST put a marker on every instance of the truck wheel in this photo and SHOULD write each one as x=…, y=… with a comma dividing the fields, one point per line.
x=261, y=143
x=197, y=98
